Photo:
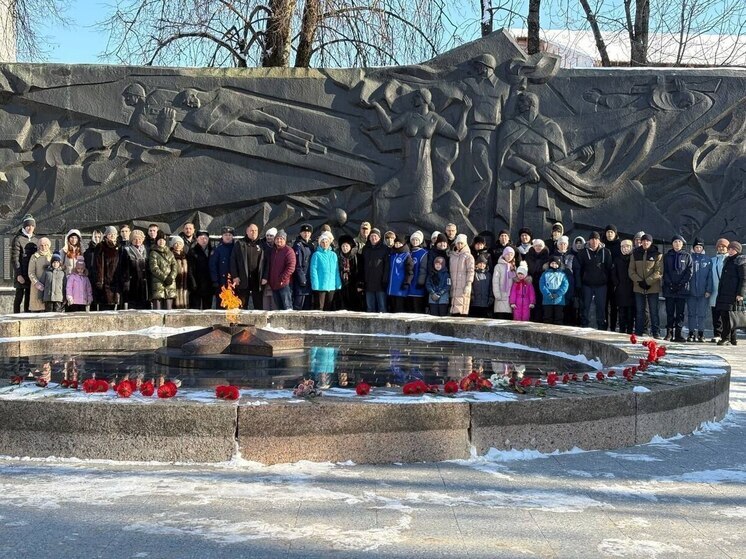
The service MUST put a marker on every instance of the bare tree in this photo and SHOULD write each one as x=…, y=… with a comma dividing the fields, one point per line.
x=28, y=17
x=596, y=29
x=638, y=26
x=533, y=24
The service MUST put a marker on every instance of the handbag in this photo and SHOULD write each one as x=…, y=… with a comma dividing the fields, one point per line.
x=737, y=316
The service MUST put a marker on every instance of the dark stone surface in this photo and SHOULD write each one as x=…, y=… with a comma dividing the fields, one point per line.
x=484, y=136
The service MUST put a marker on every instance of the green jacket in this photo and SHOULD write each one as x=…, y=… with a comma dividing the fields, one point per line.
x=163, y=271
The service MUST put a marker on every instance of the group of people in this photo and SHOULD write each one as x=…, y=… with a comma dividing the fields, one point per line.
x=549, y=280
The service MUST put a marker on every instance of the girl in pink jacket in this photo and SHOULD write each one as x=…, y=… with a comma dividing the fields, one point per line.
x=79, y=292
x=522, y=296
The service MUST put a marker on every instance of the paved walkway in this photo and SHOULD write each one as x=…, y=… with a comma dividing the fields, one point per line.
x=679, y=498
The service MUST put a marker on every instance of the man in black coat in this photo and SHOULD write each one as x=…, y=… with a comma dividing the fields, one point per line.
x=247, y=261
x=732, y=289
x=624, y=292
x=594, y=263
x=23, y=247
x=375, y=270
x=198, y=259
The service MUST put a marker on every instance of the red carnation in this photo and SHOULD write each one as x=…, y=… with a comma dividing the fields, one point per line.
x=525, y=382
x=73, y=384
x=42, y=382
x=89, y=385
x=124, y=389
x=646, y=342
x=565, y=378
x=633, y=339
x=17, y=379
x=451, y=387
x=586, y=377
x=167, y=390
x=227, y=392
x=537, y=382
x=102, y=386
x=600, y=375
x=661, y=351
x=147, y=388
x=362, y=388
x=474, y=376
x=552, y=380
x=552, y=375
x=611, y=373
x=64, y=383
x=415, y=387
x=575, y=377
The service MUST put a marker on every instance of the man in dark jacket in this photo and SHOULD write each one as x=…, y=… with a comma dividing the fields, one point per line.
x=135, y=272
x=569, y=265
x=624, y=292
x=247, y=265
x=612, y=243
x=189, y=236
x=199, y=269
x=375, y=267
x=646, y=271
x=595, y=264
x=22, y=247
x=731, y=289
x=278, y=272
x=302, y=276
x=220, y=260
x=677, y=272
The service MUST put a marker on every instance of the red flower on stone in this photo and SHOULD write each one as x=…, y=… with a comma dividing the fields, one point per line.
x=611, y=373
x=227, y=392
x=124, y=389
x=362, y=388
x=102, y=386
x=586, y=377
x=17, y=379
x=575, y=377
x=42, y=382
x=525, y=382
x=415, y=387
x=89, y=385
x=167, y=390
x=600, y=375
x=661, y=352
x=485, y=384
x=451, y=387
x=537, y=382
x=565, y=378
x=147, y=388
x=73, y=384
x=633, y=339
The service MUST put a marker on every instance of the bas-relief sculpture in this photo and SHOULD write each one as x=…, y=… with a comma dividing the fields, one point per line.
x=484, y=136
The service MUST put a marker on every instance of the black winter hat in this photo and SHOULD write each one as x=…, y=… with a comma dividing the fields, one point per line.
x=203, y=233
x=483, y=259
x=698, y=242
x=306, y=227
x=441, y=238
x=478, y=239
x=678, y=238
x=526, y=230
x=595, y=235
x=227, y=229
x=555, y=260
x=611, y=227
x=160, y=235
x=346, y=239
x=647, y=237
x=504, y=231
x=400, y=238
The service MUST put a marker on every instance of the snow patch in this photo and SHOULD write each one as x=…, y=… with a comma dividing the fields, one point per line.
x=638, y=548
x=633, y=457
x=640, y=389
x=735, y=512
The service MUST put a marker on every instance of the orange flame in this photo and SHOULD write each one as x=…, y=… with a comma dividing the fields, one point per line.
x=230, y=301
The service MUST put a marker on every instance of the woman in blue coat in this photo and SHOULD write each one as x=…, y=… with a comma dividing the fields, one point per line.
x=677, y=275
x=699, y=291
x=325, y=280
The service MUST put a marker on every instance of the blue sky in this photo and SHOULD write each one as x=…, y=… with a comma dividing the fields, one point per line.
x=80, y=42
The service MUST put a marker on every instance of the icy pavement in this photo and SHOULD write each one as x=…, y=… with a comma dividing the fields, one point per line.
x=678, y=497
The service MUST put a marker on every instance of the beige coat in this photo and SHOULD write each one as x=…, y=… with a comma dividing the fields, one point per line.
x=461, y=265
x=38, y=263
x=500, y=292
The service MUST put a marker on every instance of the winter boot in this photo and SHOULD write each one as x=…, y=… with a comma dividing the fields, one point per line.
x=678, y=337
x=690, y=337
x=669, y=334
x=701, y=336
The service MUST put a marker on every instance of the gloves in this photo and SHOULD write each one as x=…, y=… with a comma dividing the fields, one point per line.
x=643, y=285
x=434, y=297
x=405, y=287
x=168, y=281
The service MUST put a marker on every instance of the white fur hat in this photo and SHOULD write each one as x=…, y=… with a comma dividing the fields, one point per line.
x=417, y=235
x=271, y=231
x=461, y=238
x=522, y=269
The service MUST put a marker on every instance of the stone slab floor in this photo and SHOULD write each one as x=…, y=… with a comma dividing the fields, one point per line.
x=682, y=497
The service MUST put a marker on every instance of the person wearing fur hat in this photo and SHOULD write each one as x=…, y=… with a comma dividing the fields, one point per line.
x=721, y=253
x=731, y=289
x=416, y=299
x=78, y=290
x=163, y=272
x=461, y=269
x=646, y=271
x=375, y=272
x=324, y=273
x=23, y=246
x=502, y=241
x=594, y=264
x=624, y=289
x=677, y=275
x=71, y=249
x=524, y=236
x=699, y=291
x=135, y=273
x=502, y=282
x=558, y=230
x=184, y=280
x=522, y=295
x=278, y=273
x=553, y=286
x=480, y=305
x=37, y=265
x=107, y=262
x=303, y=249
x=351, y=294
x=400, y=275
x=53, y=281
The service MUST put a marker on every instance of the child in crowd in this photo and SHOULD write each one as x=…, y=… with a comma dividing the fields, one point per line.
x=78, y=290
x=522, y=296
x=481, y=294
x=439, y=288
x=54, y=285
x=553, y=286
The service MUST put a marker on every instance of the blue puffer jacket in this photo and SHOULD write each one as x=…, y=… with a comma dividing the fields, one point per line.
x=401, y=272
x=301, y=276
x=701, y=275
x=439, y=287
x=325, y=270
x=553, y=283
x=220, y=263
x=677, y=274
x=419, y=258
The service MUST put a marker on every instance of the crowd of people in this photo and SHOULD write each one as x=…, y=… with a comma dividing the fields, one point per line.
x=551, y=281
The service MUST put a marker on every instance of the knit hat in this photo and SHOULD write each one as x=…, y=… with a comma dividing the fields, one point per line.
x=111, y=230
x=478, y=239
x=281, y=234
x=272, y=231
x=439, y=259
x=80, y=260
x=417, y=235
x=558, y=227
x=306, y=227
x=158, y=236
x=735, y=245
x=555, y=260
x=434, y=236
x=563, y=239
x=375, y=231
x=441, y=238
x=483, y=259
x=326, y=235
x=508, y=251
x=698, y=242
x=538, y=243
x=611, y=227
x=639, y=234
x=595, y=235
x=460, y=238
x=647, y=237
x=722, y=242
x=28, y=219
x=399, y=238
x=522, y=269
x=526, y=230
x=678, y=238
x=227, y=229
x=175, y=240
x=56, y=257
